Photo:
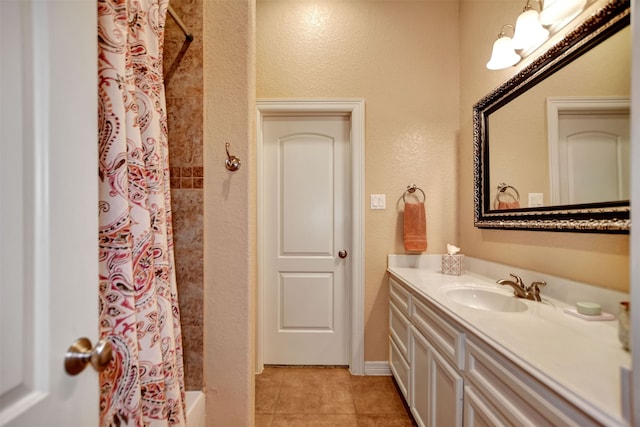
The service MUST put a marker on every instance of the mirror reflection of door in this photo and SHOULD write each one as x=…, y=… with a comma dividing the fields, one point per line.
x=589, y=150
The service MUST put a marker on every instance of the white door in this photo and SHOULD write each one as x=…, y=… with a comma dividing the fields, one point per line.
x=306, y=239
x=48, y=210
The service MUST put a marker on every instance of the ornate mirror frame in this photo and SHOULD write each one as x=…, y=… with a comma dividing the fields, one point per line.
x=606, y=217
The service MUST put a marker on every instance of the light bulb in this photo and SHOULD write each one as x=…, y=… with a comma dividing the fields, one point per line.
x=529, y=34
x=502, y=55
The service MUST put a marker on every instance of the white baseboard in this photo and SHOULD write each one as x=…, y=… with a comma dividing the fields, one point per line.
x=377, y=368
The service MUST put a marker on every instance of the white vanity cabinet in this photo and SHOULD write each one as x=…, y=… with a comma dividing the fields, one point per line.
x=399, y=349
x=399, y=338
x=399, y=331
x=449, y=376
x=425, y=353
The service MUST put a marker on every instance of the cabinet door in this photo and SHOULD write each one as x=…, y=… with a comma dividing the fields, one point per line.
x=445, y=403
x=420, y=378
x=436, y=387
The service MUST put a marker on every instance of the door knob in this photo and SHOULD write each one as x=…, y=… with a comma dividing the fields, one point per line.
x=343, y=254
x=81, y=353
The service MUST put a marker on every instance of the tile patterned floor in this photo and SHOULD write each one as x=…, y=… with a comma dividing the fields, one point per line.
x=328, y=397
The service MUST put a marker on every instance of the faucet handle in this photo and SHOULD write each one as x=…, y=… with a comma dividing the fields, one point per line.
x=534, y=289
x=518, y=279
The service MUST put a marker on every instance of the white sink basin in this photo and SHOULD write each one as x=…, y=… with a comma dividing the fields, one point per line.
x=484, y=299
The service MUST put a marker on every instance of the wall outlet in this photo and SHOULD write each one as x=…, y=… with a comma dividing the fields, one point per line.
x=536, y=200
x=378, y=201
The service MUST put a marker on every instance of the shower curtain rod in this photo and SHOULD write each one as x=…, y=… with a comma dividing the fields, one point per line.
x=187, y=35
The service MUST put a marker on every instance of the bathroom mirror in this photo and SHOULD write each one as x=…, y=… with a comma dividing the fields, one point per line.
x=532, y=169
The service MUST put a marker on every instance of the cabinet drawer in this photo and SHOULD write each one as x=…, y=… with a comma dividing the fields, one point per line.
x=448, y=340
x=478, y=412
x=399, y=329
x=399, y=296
x=517, y=397
x=400, y=368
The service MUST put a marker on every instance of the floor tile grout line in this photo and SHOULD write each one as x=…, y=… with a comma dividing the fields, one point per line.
x=275, y=405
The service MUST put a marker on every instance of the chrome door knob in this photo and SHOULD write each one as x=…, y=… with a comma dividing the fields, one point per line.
x=81, y=353
x=343, y=254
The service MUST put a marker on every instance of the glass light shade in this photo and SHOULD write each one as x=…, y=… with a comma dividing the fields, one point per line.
x=529, y=34
x=502, y=55
x=557, y=13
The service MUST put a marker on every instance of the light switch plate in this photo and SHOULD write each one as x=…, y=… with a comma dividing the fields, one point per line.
x=536, y=200
x=378, y=201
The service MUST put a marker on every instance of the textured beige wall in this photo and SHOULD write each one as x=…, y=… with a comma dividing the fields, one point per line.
x=402, y=58
x=229, y=206
x=598, y=259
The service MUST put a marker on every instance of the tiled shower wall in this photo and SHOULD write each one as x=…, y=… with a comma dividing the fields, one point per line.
x=184, y=93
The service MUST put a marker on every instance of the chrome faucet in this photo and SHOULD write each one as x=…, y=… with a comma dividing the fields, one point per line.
x=520, y=290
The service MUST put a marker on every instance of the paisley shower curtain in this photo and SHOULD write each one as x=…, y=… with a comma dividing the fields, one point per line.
x=138, y=295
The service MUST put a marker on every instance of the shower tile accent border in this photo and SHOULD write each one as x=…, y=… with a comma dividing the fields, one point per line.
x=187, y=177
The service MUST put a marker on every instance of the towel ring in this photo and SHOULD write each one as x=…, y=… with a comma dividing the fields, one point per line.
x=502, y=188
x=412, y=189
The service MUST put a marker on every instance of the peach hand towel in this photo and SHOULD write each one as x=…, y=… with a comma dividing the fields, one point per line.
x=509, y=205
x=415, y=227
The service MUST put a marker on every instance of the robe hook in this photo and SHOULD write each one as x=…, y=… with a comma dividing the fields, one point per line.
x=232, y=162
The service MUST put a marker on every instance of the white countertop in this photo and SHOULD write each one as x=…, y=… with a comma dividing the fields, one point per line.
x=579, y=359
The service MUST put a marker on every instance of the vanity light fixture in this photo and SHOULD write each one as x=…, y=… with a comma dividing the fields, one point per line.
x=503, y=54
x=529, y=33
